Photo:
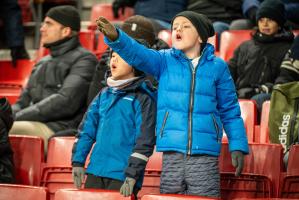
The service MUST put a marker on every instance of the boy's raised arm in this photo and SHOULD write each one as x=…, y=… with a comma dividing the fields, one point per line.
x=148, y=60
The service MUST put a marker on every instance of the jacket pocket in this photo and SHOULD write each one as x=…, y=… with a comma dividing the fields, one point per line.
x=164, y=122
x=216, y=127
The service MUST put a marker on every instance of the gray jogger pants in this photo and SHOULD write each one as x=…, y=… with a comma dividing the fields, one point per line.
x=192, y=175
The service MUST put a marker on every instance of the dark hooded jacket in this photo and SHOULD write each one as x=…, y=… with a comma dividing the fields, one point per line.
x=6, y=153
x=257, y=62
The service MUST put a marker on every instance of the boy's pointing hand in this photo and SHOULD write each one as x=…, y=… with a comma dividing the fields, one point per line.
x=107, y=28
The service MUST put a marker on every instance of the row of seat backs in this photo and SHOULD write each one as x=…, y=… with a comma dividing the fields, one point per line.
x=20, y=192
x=264, y=161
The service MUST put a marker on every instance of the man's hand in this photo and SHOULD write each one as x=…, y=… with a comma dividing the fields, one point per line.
x=78, y=176
x=127, y=187
x=107, y=28
x=237, y=161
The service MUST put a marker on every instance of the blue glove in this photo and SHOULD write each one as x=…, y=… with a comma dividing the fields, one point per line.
x=127, y=187
x=237, y=161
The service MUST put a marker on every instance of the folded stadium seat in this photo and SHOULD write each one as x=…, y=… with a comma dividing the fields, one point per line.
x=57, y=172
x=90, y=194
x=165, y=35
x=100, y=45
x=105, y=10
x=28, y=158
x=264, y=128
x=261, y=173
x=230, y=40
x=86, y=37
x=249, y=116
x=22, y=192
x=174, y=197
x=18, y=76
x=290, y=183
x=151, y=181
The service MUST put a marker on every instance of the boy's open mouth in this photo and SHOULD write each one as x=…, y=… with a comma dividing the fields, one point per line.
x=178, y=37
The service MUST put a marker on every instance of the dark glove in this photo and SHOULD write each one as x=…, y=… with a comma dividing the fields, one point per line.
x=127, y=187
x=116, y=5
x=107, y=28
x=252, y=14
x=78, y=176
x=237, y=161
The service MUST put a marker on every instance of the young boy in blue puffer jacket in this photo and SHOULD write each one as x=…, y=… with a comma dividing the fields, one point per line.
x=196, y=101
x=120, y=123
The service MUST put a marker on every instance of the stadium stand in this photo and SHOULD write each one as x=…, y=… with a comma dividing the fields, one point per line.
x=260, y=176
x=174, y=197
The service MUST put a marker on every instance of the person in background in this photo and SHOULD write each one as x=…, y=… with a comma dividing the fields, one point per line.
x=256, y=63
x=6, y=154
x=120, y=154
x=161, y=16
x=196, y=100
x=55, y=97
x=10, y=13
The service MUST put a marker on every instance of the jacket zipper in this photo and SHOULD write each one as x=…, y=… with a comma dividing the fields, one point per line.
x=164, y=122
x=191, y=110
x=216, y=127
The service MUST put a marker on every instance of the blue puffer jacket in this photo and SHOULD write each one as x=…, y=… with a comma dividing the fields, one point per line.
x=121, y=123
x=193, y=105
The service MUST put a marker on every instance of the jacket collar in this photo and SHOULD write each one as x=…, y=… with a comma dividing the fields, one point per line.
x=63, y=46
x=207, y=53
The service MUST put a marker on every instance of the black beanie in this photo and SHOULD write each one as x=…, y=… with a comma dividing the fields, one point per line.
x=201, y=22
x=66, y=15
x=139, y=27
x=272, y=9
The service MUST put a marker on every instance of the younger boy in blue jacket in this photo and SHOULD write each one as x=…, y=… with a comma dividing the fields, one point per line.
x=196, y=101
x=120, y=123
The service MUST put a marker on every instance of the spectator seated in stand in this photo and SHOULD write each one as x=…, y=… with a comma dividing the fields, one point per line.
x=54, y=98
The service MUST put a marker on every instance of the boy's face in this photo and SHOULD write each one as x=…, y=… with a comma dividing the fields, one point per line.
x=120, y=70
x=52, y=31
x=268, y=26
x=184, y=35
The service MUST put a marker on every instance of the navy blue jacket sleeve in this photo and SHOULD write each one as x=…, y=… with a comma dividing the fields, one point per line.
x=145, y=140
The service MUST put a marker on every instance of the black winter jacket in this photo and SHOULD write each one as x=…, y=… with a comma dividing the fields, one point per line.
x=57, y=89
x=6, y=153
x=217, y=10
x=257, y=62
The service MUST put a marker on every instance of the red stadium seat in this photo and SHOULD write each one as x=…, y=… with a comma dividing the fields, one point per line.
x=105, y=10
x=18, y=76
x=175, y=197
x=12, y=93
x=101, y=47
x=28, y=158
x=264, y=130
x=165, y=35
x=57, y=173
x=230, y=40
x=290, y=186
x=296, y=32
x=26, y=10
x=260, y=176
x=73, y=194
x=249, y=116
x=22, y=192
x=151, y=181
